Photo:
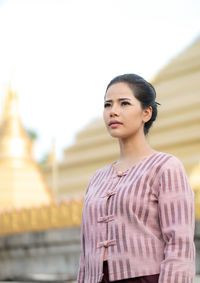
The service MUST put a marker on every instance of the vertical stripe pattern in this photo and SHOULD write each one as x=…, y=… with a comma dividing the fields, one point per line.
x=149, y=222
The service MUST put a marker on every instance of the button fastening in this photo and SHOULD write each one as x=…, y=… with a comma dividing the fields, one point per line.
x=105, y=244
x=119, y=173
x=110, y=193
x=106, y=218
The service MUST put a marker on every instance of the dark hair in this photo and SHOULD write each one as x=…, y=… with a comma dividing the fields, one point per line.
x=143, y=91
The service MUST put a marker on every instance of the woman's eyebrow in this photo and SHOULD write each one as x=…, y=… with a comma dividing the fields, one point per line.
x=120, y=99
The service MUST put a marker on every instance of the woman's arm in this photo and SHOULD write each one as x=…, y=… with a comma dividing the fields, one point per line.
x=177, y=221
x=81, y=270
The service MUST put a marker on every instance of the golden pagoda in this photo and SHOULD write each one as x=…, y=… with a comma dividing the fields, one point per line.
x=177, y=129
x=21, y=181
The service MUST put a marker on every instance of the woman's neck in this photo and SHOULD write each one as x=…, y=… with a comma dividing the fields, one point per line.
x=134, y=149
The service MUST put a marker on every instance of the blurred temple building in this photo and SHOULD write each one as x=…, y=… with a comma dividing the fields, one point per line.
x=41, y=207
x=39, y=238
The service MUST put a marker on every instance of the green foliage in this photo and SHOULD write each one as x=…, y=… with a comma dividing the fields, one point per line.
x=32, y=134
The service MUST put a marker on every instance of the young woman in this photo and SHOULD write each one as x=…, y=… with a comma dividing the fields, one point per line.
x=138, y=216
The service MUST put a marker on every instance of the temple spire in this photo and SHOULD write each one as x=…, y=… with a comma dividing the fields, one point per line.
x=21, y=181
x=14, y=141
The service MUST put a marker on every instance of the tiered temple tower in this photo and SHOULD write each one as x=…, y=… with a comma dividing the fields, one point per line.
x=177, y=129
x=21, y=181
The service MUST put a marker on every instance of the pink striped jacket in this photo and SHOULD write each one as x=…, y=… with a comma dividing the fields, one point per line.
x=144, y=217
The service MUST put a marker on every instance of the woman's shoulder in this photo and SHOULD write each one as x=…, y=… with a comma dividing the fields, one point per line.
x=101, y=171
x=173, y=175
x=172, y=162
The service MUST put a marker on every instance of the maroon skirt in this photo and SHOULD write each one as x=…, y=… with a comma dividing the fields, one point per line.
x=142, y=279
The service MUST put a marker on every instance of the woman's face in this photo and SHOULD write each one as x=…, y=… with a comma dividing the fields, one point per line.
x=123, y=114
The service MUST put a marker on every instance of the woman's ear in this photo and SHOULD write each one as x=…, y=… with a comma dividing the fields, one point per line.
x=147, y=113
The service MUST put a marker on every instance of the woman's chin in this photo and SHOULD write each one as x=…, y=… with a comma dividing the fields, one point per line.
x=116, y=135
x=120, y=135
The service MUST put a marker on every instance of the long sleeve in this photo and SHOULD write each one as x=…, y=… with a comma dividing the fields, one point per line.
x=81, y=270
x=177, y=222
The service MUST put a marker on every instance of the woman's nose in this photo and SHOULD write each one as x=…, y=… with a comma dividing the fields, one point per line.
x=114, y=111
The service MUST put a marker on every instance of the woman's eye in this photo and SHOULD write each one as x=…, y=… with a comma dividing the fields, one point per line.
x=125, y=103
x=106, y=105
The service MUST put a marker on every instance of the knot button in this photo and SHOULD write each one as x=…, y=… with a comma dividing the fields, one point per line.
x=105, y=244
x=106, y=218
x=110, y=193
x=119, y=173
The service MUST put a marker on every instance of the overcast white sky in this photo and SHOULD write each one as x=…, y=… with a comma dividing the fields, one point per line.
x=63, y=53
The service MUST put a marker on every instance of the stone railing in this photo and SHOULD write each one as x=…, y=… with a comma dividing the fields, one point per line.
x=56, y=215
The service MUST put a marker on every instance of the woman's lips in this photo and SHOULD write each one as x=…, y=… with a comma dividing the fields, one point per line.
x=115, y=124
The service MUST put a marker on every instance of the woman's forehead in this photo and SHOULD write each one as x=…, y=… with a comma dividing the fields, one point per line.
x=119, y=90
